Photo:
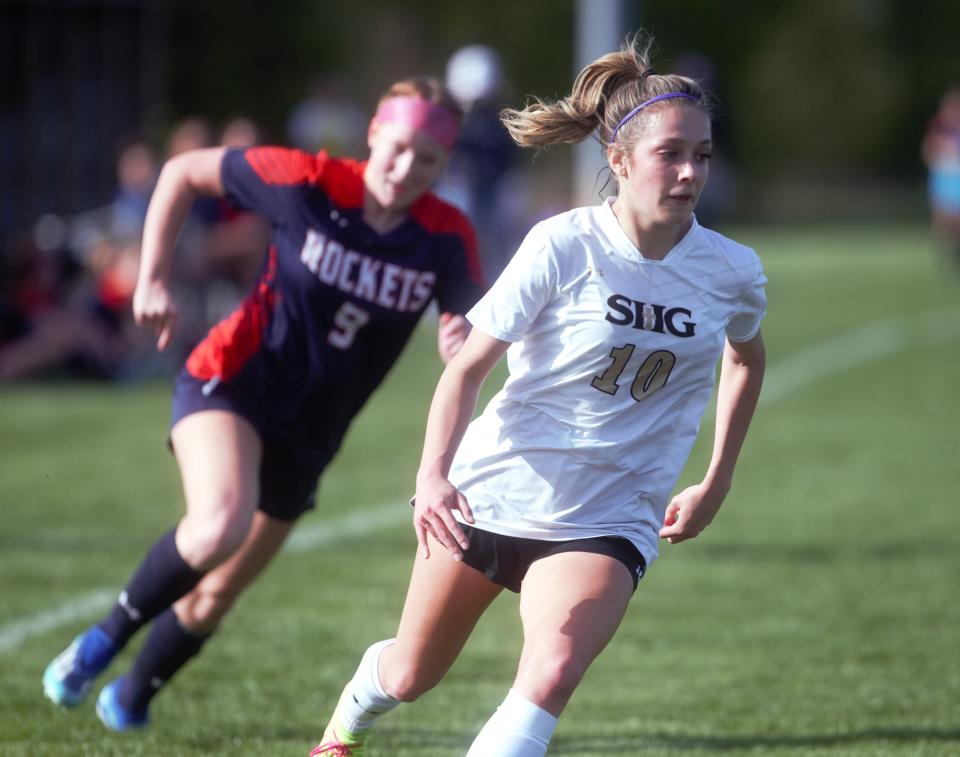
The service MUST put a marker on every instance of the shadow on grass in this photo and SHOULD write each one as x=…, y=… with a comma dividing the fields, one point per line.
x=390, y=739
x=658, y=743
x=385, y=740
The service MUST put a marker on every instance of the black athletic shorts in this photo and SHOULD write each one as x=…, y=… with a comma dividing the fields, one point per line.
x=506, y=559
x=289, y=471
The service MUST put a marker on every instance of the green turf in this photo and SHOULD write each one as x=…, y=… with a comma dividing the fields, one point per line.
x=818, y=615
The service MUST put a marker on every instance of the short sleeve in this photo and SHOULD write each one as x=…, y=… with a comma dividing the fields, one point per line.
x=268, y=179
x=524, y=288
x=752, y=307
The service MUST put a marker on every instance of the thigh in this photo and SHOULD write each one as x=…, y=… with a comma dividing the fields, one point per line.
x=218, y=453
x=444, y=601
x=571, y=604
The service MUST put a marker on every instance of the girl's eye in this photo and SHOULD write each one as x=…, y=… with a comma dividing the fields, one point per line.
x=705, y=156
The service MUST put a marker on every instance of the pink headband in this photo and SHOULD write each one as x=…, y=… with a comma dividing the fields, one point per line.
x=431, y=119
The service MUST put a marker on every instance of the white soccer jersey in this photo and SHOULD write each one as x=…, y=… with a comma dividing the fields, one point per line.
x=612, y=363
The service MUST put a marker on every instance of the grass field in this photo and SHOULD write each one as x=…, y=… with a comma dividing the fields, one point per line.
x=820, y=614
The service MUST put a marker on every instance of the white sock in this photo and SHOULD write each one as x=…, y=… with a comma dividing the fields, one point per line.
x=517, y=729
x=365, y=700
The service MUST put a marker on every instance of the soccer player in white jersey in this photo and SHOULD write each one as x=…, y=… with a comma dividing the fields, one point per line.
x=613, y=319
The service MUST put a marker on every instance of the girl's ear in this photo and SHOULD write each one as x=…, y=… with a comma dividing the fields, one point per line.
x=372, y=132
x=617, y=160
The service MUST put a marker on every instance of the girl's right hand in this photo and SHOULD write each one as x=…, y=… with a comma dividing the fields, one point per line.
x=433, y=507
x=153, y=307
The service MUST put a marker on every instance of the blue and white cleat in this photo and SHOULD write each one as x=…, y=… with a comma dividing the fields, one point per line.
x=114, y=715
x=67, y=680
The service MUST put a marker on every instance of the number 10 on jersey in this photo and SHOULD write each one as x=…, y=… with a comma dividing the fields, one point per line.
x=651, y=376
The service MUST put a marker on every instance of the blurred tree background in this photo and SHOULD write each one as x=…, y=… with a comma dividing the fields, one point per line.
x=823, y=102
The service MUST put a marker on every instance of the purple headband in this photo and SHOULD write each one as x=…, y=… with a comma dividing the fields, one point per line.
x=643, y=105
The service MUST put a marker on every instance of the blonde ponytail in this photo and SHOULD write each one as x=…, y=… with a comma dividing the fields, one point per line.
x=604, y=92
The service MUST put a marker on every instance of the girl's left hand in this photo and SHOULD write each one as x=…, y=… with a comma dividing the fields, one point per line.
x=691, y=511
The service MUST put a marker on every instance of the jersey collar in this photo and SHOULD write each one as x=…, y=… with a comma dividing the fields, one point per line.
x=624, y=246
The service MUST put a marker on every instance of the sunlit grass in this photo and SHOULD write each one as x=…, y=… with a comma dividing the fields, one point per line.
x=817, y=615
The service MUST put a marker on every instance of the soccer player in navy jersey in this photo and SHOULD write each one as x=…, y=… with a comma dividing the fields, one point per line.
x=358, y=252
x=613, y=318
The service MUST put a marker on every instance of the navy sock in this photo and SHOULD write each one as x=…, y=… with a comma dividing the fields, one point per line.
x=168, y=648
x=162, y=578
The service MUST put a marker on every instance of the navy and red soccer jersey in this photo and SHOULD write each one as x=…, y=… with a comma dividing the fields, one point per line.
x=335, y=302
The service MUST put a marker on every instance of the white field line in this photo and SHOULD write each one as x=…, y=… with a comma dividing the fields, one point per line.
x=12, y=635
x=363, y=521
x=359, y=523
x=833, y=356
x=840, y=353
x=853, y=349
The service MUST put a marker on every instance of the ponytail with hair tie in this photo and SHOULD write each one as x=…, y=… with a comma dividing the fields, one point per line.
x=606, y=95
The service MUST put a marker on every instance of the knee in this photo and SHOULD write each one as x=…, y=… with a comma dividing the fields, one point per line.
x=205, y=541
x=554, y=675
x=408, y=680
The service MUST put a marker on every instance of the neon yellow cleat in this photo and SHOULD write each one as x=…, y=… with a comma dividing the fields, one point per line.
x=337, y=741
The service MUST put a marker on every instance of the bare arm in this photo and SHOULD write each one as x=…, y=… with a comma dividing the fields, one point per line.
x=741, y=376
x=454, y=402
x=182, y=179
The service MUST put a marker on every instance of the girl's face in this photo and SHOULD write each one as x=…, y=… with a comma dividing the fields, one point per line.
x=661, y=177
x=404, y=163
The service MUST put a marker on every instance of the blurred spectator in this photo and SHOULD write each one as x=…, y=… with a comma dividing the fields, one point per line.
x=240, y=132
x=55, y=318
x=191, y=133
x=480, y=178
x=136, y=175
x=66, y=288
x=328, y=119
x=941, y=153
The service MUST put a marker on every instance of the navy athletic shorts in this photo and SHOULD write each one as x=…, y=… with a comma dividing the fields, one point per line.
x=289, y=471
x=506, y=559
